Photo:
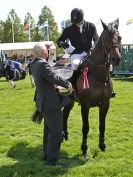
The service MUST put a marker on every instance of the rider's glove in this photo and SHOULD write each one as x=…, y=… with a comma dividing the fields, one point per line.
x=64, y=45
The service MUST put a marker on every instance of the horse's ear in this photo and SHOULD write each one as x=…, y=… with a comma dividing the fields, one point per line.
x=104, y=25
x=116, y=23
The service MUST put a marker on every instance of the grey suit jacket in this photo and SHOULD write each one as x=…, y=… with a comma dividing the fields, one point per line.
x=45, y=81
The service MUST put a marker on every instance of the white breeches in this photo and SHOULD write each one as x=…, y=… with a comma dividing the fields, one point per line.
x=75, y=60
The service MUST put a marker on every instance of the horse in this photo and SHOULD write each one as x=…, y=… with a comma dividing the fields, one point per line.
x=98, y=93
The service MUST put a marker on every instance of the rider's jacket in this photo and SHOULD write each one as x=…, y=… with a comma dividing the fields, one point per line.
x=81, y=41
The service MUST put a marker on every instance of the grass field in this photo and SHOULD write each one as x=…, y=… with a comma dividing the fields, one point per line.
x=21, y=139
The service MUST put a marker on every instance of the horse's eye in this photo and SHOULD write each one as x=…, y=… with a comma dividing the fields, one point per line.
x=120, y=38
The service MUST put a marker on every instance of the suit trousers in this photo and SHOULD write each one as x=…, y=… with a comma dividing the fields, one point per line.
x=52, y=136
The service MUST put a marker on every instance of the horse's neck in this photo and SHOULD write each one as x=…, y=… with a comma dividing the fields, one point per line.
x=99, y=53
x=99, y=68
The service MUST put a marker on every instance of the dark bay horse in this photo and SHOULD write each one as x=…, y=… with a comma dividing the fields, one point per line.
x=106, y=51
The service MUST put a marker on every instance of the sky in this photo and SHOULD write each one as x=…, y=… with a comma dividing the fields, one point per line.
x=94, y=10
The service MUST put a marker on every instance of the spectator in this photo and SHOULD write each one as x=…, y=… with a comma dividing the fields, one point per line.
x=10, y=71
x=30, y=74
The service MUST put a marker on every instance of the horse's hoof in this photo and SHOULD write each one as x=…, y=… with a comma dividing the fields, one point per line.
x=102, y=146
x=84, y=148
x=85, y=156
x=66, y=138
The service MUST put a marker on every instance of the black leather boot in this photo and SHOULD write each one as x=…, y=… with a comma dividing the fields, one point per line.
x=73, y=79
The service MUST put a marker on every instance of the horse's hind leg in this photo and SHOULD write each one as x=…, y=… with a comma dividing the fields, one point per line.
x=66, y=112
x=85, y=128
x=103, y=109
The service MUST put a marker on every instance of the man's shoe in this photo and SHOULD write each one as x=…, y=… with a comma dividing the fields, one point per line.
x=57, y=164
x=44, y=158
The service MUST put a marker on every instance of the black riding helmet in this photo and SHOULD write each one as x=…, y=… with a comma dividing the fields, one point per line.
x=77, y=15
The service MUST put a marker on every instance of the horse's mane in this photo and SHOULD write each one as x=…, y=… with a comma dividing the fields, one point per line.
x=98, y=51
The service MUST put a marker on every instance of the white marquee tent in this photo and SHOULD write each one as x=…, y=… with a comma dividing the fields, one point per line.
x=26, y=48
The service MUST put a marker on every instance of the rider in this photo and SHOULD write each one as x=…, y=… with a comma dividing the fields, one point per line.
x=81, y=35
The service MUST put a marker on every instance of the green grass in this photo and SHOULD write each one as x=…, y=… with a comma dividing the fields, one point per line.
x=21, y=139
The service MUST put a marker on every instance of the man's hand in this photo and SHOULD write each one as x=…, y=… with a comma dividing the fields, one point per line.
x=64, y=45
x=48, y=45
x=70, y=89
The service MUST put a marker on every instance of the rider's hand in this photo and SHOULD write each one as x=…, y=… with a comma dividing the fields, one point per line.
x=64, y=45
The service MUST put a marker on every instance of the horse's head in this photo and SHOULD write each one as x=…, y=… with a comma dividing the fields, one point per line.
x=111, y=41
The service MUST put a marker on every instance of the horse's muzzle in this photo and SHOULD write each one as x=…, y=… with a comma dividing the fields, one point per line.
x=115, y=55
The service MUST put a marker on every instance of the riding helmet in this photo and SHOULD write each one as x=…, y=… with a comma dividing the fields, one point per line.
x=77, y=15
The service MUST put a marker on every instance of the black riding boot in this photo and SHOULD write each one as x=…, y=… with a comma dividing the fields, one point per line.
x=73, y=79
x=113, y=93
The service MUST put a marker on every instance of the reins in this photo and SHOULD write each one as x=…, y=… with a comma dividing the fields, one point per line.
x=102, y=67
x=101, y=64
x=88, y=60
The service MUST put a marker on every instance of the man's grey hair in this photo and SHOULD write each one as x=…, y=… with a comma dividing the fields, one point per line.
x=37, y=49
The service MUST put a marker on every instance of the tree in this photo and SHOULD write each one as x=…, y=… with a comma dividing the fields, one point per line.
x=12, y=30
x=50, y=32
x=16, y=27
x=67, y=23
x=2, y=26
x=30, y=29
x=12, y=27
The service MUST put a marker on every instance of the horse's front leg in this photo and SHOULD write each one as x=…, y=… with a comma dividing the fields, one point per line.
x=66, y=112
x=85, y=128
x=103, y=109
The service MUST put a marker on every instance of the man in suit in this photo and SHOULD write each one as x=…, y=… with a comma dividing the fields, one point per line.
x=49, y=102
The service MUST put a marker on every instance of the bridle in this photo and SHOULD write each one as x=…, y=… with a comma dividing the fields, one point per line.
x=116, y=41
x=107, y=51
